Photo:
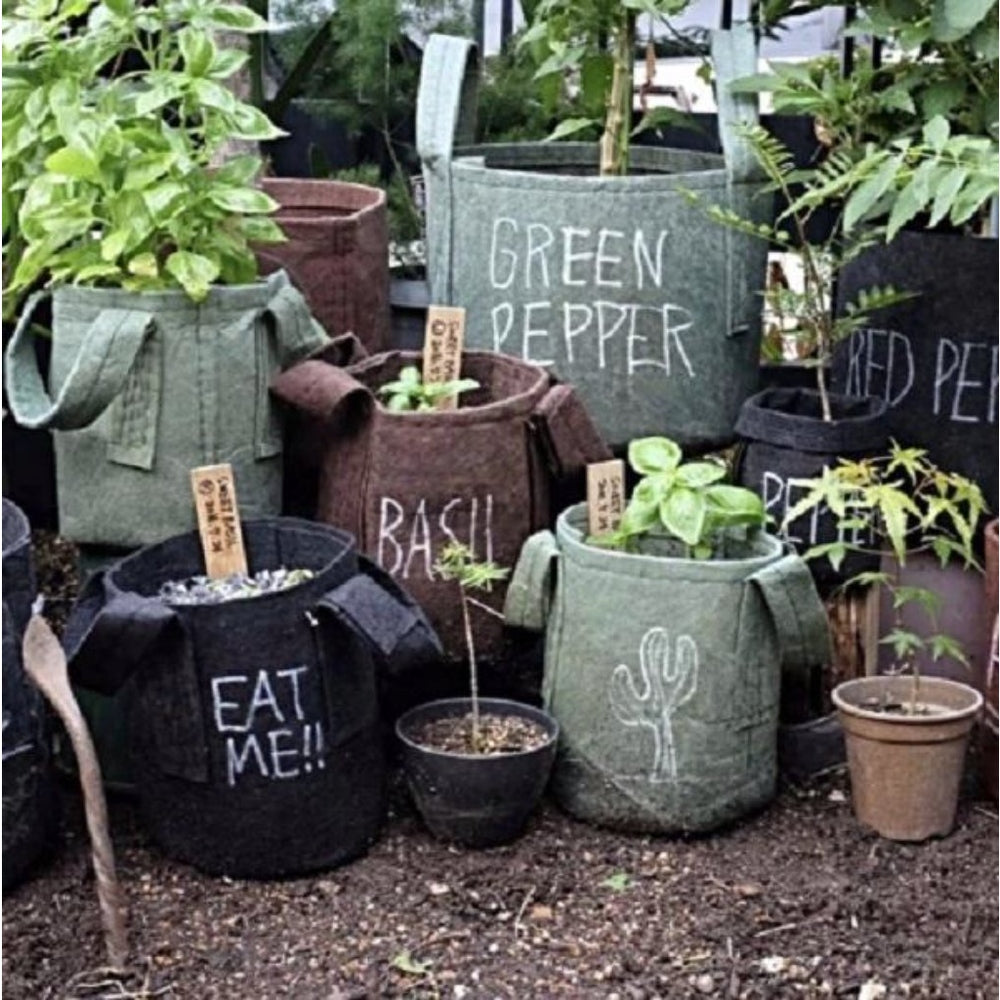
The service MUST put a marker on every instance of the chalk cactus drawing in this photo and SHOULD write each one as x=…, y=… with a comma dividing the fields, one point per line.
x=667, y=682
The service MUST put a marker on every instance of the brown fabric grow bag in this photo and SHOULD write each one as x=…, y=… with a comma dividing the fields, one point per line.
x=405, y=484
x=337, y=253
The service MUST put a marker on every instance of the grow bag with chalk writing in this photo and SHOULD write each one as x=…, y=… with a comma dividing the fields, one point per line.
x=622, y=286
x=933, y=358
x=29, y=806
x=255, y=739
x=663, y=673
x=407, y=484
x=147, y=385
x=336, y=254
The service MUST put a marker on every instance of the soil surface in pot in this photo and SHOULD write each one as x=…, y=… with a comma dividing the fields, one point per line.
x=205, y=590
x=796, y=902
x=498, y=734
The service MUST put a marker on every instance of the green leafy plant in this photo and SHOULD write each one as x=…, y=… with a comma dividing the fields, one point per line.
x=812, y=305
x=686, y=501
x=593, y=44
x=410, y=394
x=903, y=505
x=458, y=562
x=116, y=182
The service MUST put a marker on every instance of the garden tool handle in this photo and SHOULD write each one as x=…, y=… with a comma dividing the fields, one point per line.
x=529, y=595
x=106, y=357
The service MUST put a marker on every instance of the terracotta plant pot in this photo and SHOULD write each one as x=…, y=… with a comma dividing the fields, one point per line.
x=989, y=732
x=906, y=769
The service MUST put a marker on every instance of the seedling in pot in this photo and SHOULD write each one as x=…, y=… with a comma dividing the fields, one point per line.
x=908, y=506
x=684, y=501
x=410, y=394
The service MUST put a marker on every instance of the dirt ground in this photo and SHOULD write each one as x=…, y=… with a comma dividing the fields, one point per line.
x=797, y=901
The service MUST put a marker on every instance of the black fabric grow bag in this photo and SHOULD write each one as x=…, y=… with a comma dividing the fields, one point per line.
x=786, y=438
x=29, y=813
x=254, y=728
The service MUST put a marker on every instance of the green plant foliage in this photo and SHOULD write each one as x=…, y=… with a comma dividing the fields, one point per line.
x=908, y=505
x=686, y=501
x=116, y=181
x=409, y=393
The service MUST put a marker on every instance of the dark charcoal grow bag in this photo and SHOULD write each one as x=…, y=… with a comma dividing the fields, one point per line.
x=29, y=814
x=255, y=738
x=785, y=439
x=480, y=800
x=933, y=359
x=406, y=484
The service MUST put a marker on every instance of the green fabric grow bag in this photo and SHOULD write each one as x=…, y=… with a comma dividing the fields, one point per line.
x=664, y=673
x=619, y=285
x=146, y=386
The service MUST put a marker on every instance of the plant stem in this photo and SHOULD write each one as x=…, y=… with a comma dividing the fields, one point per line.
x=473, y=673
x=614, y=141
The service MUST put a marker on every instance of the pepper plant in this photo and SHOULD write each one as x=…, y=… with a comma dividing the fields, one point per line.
x=409, y=393
x=686, y=501
x=906, y=506
x=458, y=562
x=116, y=181
x=593, y=42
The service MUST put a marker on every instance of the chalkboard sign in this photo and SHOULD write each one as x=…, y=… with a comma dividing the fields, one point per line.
x=933, y=359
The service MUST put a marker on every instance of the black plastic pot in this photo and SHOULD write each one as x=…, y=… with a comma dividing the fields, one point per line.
x=476, y=800
x=806, y=749
x=409, y=299
x=29, y=802
x=315, y=139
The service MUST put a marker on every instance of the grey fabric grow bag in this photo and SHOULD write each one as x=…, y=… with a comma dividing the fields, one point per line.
x=664, y=673
x=620, y=286
x=145, y=386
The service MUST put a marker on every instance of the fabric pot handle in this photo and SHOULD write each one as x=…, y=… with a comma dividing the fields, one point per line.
x=343, y=350
x=324, y=391
x=734, y=55
x=529, y=595
x=446, y=117
x=373, y=606
x=110, y=353
x=797, y=612
x=288, y=334
x=569, y=438
x=108, y=637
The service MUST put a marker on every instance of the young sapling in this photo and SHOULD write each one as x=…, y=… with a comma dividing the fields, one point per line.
x=410, y=394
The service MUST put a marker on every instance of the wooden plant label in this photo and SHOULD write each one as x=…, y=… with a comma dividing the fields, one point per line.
x=218, y=520
x=443, y=349
x=605, y=496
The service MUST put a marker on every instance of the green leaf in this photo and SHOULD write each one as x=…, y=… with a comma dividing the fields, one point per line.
x=834, y=551
x=903, y=642
x=945, y=645
x=240, y=200
x=405, y=962
x=73, y=162
x=683, y=514
x=964, y=15
x=236, y=17
x=619, y=882
x=947, y=191
x=194, y=273
x=240, y=171
x=113, y=245
x=249, y=123
x=197, y=50
x=144, y=265
x=869, y=192
x=735, y=505
x=226, y=63
x=906, y=207
x=571, y=126
x=700, y=473
x=260, y=229
x=654, y=454
x=936, y=132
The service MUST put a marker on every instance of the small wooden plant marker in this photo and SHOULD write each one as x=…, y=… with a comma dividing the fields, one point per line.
x=605, y=496
x=218, y=520
x=443, y=339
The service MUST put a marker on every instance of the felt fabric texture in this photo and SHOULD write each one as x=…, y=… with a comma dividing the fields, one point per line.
x=254, y=730
x=664, y=673
x=337, y=253
x=619, y=285
x=933, y=358
x=408, y=483
x=29, y=803
x=145, y=386
x=785, y=438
